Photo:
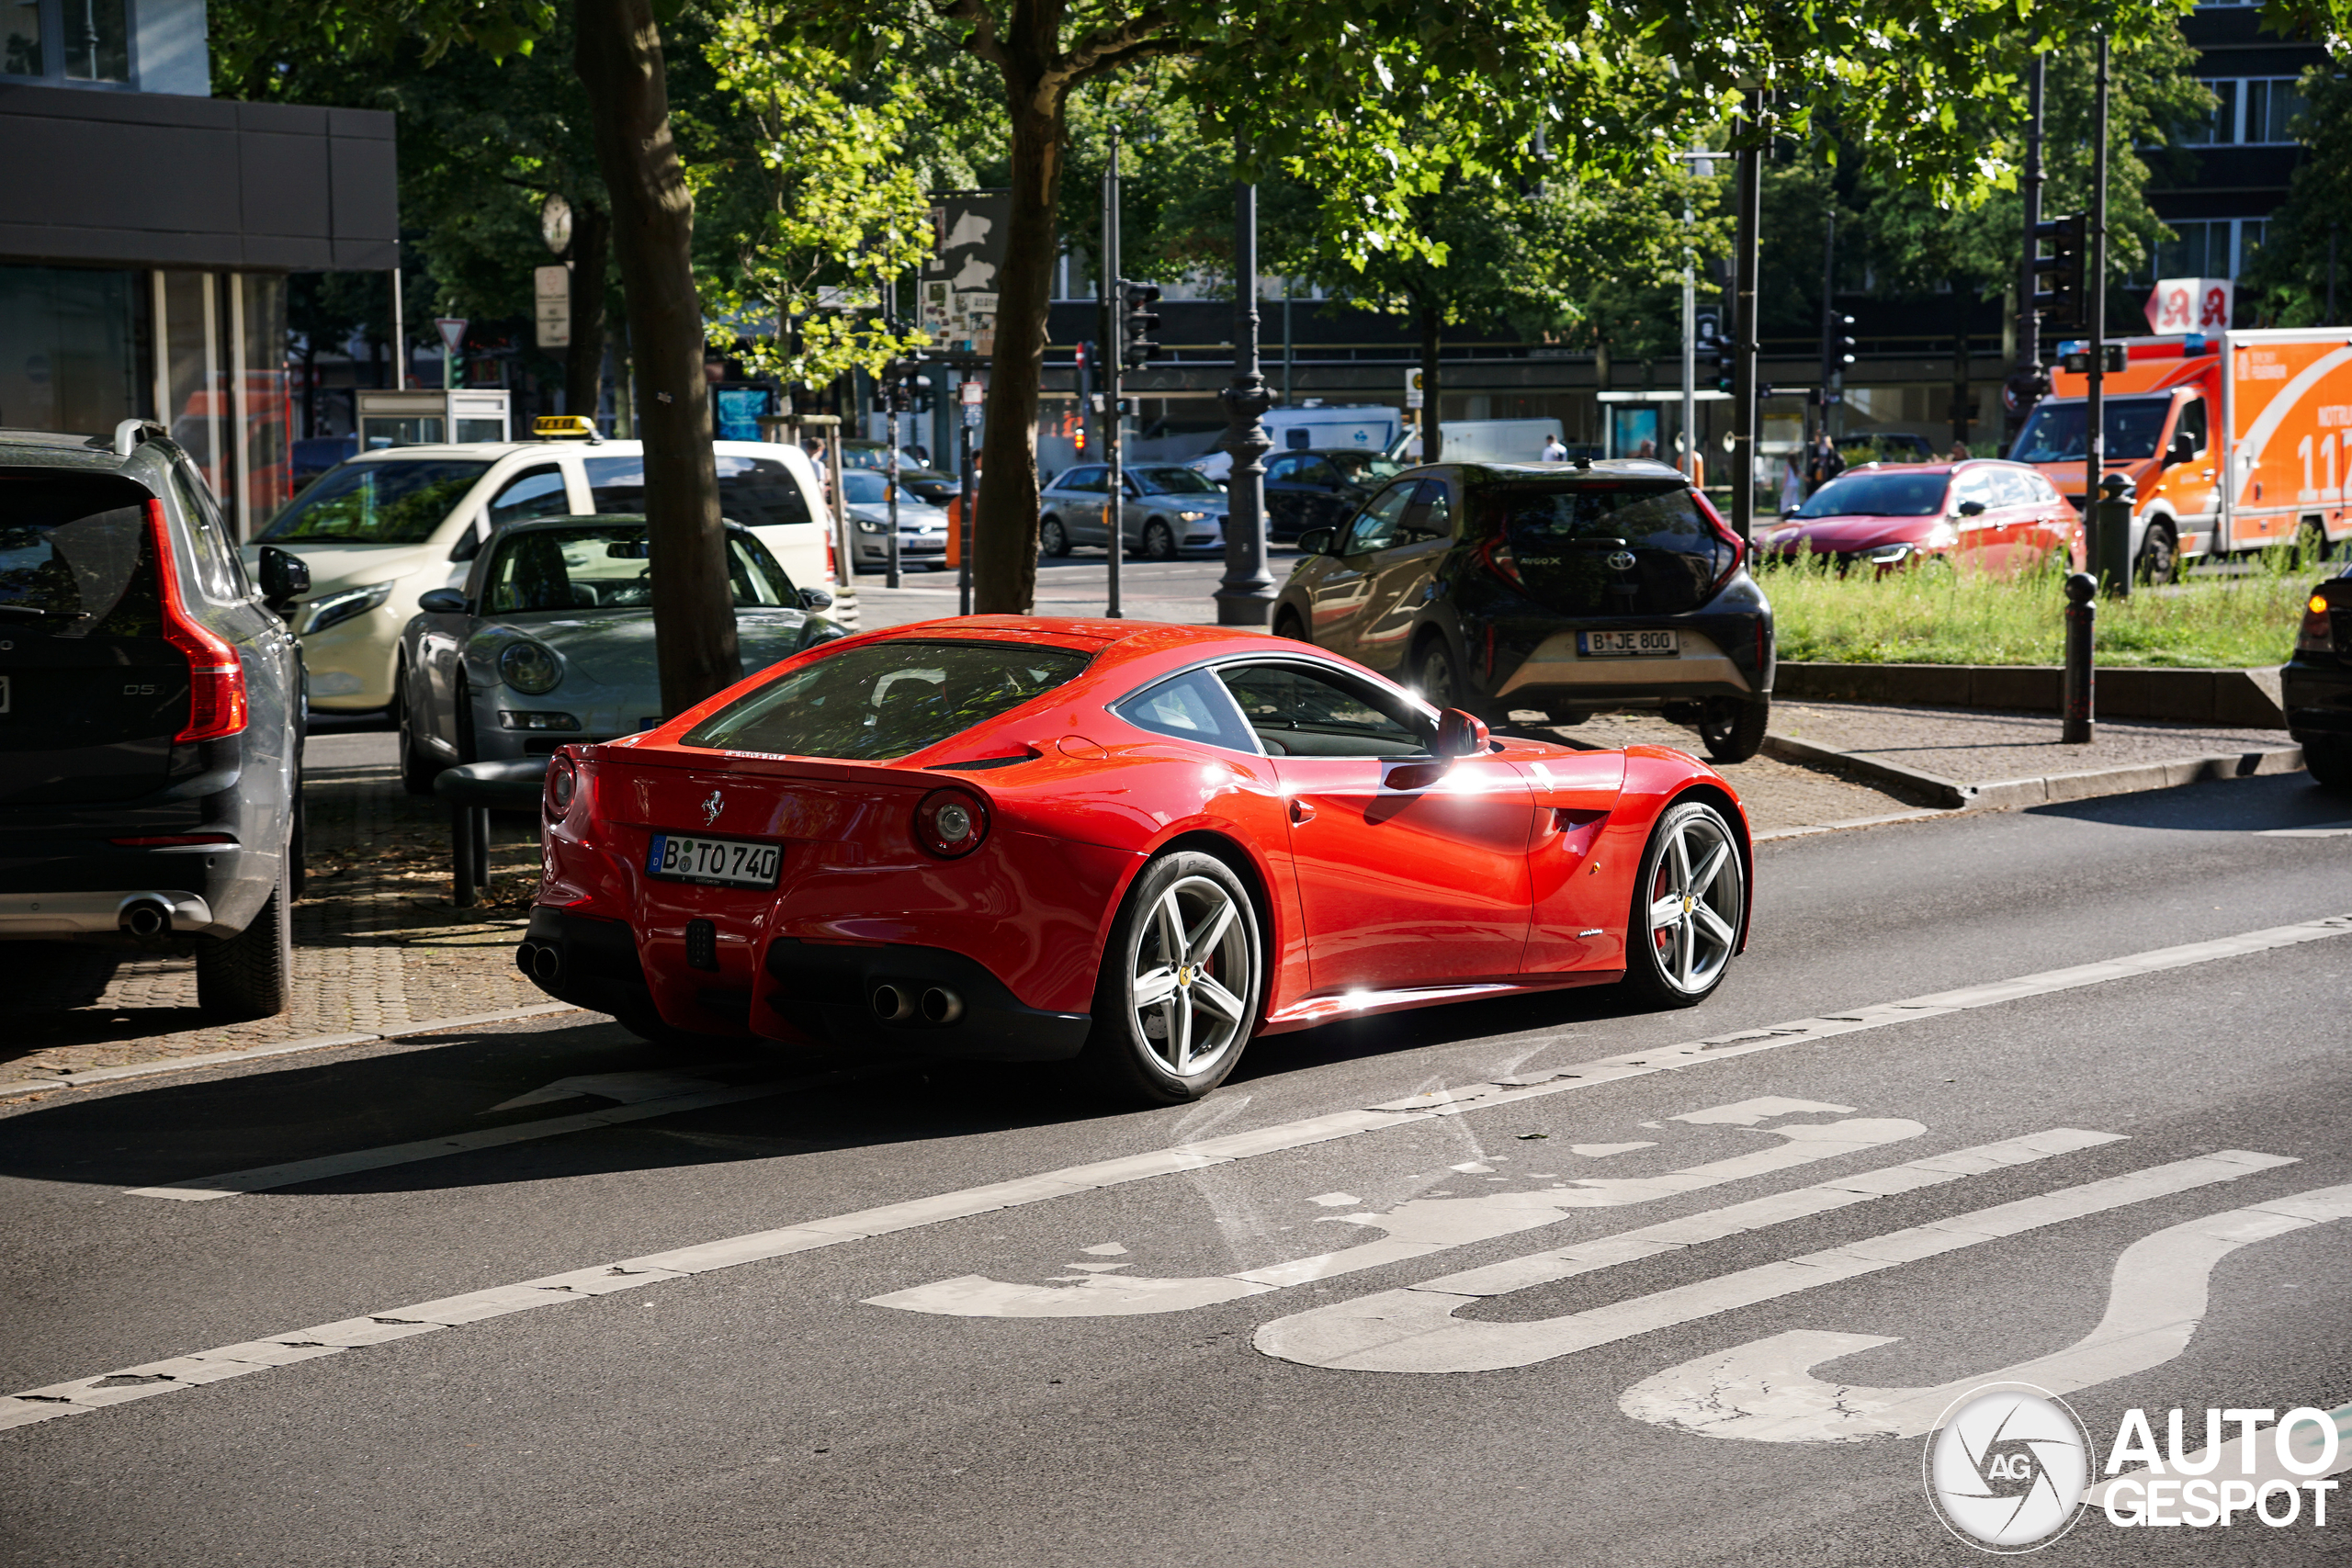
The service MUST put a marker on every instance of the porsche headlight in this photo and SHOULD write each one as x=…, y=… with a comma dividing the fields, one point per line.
x=530, y=667
x=337, y=608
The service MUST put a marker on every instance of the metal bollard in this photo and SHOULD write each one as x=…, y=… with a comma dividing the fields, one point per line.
x=2110, y=550
x=2082, y=617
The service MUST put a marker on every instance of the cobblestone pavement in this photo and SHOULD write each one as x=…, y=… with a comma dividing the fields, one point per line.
x=377, y=941
x=1983, y=746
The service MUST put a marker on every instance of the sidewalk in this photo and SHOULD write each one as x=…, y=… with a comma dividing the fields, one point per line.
x=377, y=944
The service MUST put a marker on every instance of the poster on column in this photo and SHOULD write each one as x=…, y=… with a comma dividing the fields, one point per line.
x=959, y=279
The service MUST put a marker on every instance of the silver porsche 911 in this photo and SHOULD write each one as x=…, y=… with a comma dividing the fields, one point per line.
x=551, y=641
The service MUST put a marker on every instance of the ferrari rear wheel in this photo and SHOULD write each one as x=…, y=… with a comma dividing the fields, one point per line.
x=1180, y=987
x=1689, y=902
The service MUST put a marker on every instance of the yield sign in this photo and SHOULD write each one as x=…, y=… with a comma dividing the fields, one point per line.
x=453, y=331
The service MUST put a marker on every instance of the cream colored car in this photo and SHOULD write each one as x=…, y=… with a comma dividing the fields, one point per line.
x=386, y=527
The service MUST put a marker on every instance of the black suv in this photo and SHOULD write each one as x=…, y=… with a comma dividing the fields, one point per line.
x=151, y=717
x=2315, y=686
x=1567, y=589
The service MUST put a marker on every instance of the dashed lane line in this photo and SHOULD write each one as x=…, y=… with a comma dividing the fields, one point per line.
x=84, y=1395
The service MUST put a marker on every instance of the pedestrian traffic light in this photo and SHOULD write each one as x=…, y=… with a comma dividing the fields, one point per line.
x=1137, y=348
x=2058, y=276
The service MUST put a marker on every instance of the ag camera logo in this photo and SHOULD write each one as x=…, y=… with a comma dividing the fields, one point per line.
x=2006, y=1466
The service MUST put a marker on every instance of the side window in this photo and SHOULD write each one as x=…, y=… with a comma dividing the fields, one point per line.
x=1190, y=707
x=1430, y=515
x=2012, y=489
x=617, y=485
x=216, y=570
x=760, y=492
x=1297, y=711
x=1087, y=482
x=1377, y=526
x=1318, y=471
x=2192, y=423
x=534, y=492
x=1284, y=470
x=1974, y=485
x=2045, y=493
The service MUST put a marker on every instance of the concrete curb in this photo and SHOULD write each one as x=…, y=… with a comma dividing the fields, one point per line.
x=2088, y=784
x=284, y=1048
x=2247, y=699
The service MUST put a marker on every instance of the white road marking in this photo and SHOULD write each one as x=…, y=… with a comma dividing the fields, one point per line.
x=1413, y=1229
x=2316, y=830
x=2253, y=1456
x=1415, y=1329
x=1749, y=1112
x=1765, y=1391
x=1112, y=1249
x=1336, y=1200
x=599, y=1279
x=1603, y=1151
x=628, y=1089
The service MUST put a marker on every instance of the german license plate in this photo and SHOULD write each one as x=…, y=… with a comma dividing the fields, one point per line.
x=726, y=862
x=1629, y=645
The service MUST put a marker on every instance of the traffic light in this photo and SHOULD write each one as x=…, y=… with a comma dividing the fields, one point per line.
x=1137, y=348
x=2075, y=359
x=1837, y=344
x=1726, y=365
x=2061, y=303
x=901, y=379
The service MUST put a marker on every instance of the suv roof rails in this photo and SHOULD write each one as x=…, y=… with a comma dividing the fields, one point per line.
x=128, y=434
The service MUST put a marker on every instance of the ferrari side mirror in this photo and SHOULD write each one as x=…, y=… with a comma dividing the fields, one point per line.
x=1460, y=734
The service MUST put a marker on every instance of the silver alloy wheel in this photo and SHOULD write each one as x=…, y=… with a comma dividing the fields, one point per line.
x=1694, y=902
x=1190, y=973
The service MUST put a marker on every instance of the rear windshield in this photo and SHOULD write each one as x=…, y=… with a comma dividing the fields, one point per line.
x=758, y=492
x=1660, y=514
x=378, y=503
x=76, y=558
x=1878, y=495
x=882, y=700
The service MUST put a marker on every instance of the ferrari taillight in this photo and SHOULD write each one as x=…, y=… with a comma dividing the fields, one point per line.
x=216, y=679
x=950, y=823
x=563, y=781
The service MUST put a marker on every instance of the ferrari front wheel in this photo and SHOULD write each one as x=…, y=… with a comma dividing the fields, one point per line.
x=1689, y=902
x=1181, y=981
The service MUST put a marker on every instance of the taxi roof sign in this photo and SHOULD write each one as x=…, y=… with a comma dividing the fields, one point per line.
x=564, y=428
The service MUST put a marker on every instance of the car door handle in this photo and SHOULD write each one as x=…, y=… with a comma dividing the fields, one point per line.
x=1301, y=812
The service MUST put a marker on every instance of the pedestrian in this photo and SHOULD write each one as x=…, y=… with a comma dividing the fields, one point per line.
x=1648, y=448
x=1792, y=485
x=1960, y=453
x=1552, y=451
x=1824, y=463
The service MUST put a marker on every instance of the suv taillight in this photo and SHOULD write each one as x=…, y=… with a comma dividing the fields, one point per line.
x=2318, y=632
x=1723, y=530
x=216, y=680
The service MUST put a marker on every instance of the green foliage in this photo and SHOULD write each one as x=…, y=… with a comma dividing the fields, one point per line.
x=1940, y=617
x=824, y=200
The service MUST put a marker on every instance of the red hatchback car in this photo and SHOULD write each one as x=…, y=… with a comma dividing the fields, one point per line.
x=1010, y=838
x=1986, y=513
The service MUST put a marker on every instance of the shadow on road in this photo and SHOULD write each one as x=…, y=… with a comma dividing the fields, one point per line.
x=2235, y=805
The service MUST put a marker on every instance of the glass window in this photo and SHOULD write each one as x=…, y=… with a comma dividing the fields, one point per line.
x=609, y=565
x=1190, y=707
x=378, y=502
x=1654, y=514
x=2192, y=424
x=1090, y=481
x=1977, y=485
x=2221, y=126
x=874, y=701
x=755, y=491
x=1376, y=527
x=1297, y=711
x=2270, y=108
x=20, y=52
x=862, y=487
x=534, y=492
x=1176, y=481
x=97, y=42
x=2055, y=432
x=1431, y=515
x=70, y=346
x=1877, y=495
x=1283, y=468
x=215, y=562
x=269, y=403
x=1366, y=468
x=74, y=555
x=2011, y=487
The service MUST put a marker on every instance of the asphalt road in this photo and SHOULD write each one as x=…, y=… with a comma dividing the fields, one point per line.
x=754, y=1405
x=1077, y=584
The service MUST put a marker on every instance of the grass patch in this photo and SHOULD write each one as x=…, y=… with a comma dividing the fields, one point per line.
x=1940, y=617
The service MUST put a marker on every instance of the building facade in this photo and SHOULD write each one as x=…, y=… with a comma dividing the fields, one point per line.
x=149, y=230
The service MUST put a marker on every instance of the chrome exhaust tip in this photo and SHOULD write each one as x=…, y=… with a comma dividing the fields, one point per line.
x=147, y=917
x=941, y=1005
x=547, y=965
x=894, y=1004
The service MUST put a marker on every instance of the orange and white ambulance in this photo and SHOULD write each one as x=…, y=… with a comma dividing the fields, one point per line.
x=2238, y=441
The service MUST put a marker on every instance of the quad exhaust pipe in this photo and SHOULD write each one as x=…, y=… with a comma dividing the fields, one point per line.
x=542, y=962
x=904, y=1005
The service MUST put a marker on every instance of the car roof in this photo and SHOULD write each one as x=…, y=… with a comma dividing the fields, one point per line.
x=1945, y=465
x=1132, y=640
x=616, y=519
x=1610, y=467
x=93, y=454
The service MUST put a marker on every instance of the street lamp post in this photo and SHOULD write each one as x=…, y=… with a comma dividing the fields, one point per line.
x=1246, y=597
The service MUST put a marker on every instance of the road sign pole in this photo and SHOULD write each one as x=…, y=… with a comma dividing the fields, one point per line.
x=1112, y=425
x=966, y=416
x=2093, y=401
x=2082, y=613
x=1751, y=181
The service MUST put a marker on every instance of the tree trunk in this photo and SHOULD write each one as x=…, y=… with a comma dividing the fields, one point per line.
x=583, y=363
x=1005, y=532
x=619, y=56
x=1432, y=420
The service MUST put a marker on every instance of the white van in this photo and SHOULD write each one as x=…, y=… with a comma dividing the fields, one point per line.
x=1317, y=427
x=381, y=528
x=1485, y=441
